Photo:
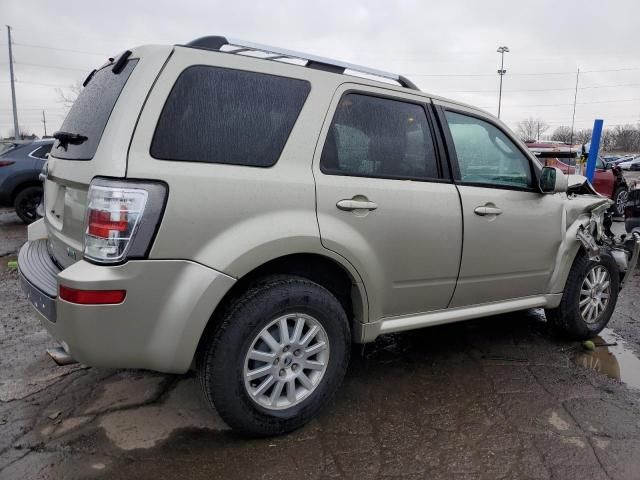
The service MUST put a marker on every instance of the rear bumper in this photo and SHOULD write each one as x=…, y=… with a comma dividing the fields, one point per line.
x=158, y=325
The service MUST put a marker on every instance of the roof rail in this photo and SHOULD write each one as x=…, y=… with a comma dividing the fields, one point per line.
x=313, y=61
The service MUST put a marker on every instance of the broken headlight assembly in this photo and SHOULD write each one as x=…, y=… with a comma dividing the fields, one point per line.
x=596, y=235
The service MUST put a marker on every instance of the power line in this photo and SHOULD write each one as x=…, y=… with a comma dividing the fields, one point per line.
x=52, y=66
x=518, y=74
x=61, y=49
x=544, y=89
x=577, y=103
x=44, y=84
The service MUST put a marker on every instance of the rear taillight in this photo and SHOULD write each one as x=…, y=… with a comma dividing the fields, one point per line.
x=116, y=211
x=6, y=163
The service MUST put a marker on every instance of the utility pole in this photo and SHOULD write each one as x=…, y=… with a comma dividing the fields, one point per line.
x=573, y=119
x=538, y=123
x=501, y=50
x=44, y=122
x=13, y=87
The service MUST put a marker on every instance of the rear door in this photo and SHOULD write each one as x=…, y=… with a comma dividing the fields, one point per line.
x=384, y=201
x=104, y=114
x=512, y=232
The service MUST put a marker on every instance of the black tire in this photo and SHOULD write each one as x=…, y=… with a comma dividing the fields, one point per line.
x=620, y=197
x=221, y=356
x=26, y=204
x=567, y=318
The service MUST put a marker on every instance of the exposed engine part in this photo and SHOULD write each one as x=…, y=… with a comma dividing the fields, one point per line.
x=589, y=244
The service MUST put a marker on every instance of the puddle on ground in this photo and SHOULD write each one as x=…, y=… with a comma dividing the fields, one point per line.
x=612, y=358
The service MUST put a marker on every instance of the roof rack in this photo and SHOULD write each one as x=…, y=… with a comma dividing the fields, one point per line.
x=312, y=61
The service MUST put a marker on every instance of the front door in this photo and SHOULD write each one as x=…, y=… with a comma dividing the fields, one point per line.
x=512, y=232
x=383, y=202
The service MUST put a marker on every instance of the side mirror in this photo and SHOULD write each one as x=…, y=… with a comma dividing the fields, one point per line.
x=552, y=180
x=46, y=155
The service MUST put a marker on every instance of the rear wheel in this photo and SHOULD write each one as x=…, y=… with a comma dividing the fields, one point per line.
x=26, y=203
x=589, y=297
x=278, y=356
x=620, y=198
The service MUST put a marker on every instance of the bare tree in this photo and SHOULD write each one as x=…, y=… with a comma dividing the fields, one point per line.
x=582, y=136
x=24, y=133
x=627, y=137
x=562, y=134
x=607, y=141
x=68, y=95
x=532, y=128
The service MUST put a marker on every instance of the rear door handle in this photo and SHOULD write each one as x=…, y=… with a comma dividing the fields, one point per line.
x=487, y=210
x=351, y=204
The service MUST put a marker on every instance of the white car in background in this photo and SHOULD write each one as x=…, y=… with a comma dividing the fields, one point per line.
x=631, y=164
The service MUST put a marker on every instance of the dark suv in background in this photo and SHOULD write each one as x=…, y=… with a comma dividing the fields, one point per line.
x=20, y=165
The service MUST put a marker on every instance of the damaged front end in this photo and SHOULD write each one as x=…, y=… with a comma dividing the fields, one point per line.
x=596, y=237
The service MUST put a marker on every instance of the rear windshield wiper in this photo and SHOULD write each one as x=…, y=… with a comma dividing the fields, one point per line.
x=68, y=138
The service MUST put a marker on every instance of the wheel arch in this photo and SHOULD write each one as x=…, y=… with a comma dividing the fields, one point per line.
x=324, y=270
x=21, y=186
x=566, y=256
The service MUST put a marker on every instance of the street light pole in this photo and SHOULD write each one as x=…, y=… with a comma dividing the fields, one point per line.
x=501, y=50
x=13, y=87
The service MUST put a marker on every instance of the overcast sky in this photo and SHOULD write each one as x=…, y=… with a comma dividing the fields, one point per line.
x=447, y=48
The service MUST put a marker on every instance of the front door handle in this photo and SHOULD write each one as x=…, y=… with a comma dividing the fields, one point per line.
x=351, y=204
x=487, y=210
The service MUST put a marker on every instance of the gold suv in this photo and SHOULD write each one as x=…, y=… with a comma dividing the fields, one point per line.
x=252, y=211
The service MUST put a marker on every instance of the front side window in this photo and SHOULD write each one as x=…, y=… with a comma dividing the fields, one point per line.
x=378, y=137
x=218, y=115
x=486, y=155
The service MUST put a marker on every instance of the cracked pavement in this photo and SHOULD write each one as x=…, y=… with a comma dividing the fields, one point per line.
x=500, y=397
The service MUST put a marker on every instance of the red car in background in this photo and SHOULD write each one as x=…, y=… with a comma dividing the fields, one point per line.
x=608, y=180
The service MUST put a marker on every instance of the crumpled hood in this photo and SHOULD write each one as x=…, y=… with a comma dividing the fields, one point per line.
x=579, y=184
x=582, y=198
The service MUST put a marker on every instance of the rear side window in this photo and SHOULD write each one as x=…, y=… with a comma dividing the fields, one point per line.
x=218, y=115
x=378, y=137
x=41, y=152
x=90, y=112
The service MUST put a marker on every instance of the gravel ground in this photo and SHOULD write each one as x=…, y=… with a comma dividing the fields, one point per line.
x=495, y=398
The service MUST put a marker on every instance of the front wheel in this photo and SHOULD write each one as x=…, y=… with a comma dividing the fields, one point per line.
x=620, y=198
x=278, y=355
x=589, y=297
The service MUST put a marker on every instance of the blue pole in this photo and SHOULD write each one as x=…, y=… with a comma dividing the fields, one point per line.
x=594, y=148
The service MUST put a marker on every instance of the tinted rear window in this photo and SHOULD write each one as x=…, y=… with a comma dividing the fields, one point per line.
x=90, y=112
x=218, y=115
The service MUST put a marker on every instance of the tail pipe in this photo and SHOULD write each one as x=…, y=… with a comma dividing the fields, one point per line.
x=60, y=355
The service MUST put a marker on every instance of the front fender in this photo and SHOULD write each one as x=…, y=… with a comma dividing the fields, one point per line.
x=567, y=252
x=576, y=215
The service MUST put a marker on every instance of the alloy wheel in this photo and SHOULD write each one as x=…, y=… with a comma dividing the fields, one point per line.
x=594, y=294
x=621, y=200
x=286, y=361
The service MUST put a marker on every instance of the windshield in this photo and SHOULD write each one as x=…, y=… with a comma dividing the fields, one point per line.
x=90, y=113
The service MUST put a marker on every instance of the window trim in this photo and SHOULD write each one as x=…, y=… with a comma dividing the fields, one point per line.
x=31, y=153
x=442, y=177
x=453, y=155
x=166, y=99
